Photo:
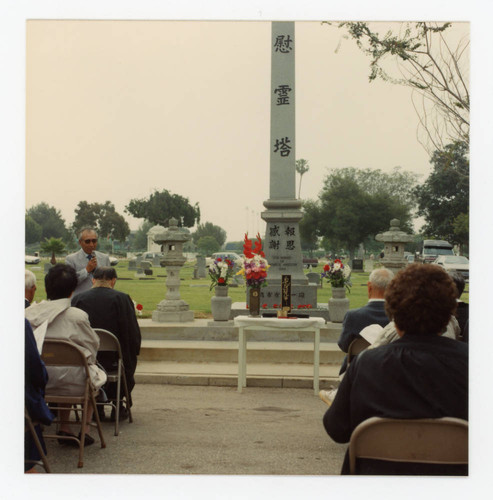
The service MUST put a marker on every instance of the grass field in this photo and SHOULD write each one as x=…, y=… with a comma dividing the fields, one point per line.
x=149, y=292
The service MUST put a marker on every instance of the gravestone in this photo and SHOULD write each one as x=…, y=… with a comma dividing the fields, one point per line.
x=357, y=265
x=138, y=260
x=201, y=269
x=283, y=213
x=314, y=279
x=145, y=264
x=132, y=264
x=47, y=267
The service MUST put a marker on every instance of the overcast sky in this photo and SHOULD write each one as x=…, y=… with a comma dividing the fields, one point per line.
x=116, y=109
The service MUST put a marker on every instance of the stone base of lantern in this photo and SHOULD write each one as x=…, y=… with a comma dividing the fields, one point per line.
x=172, y=311
x=172, y=317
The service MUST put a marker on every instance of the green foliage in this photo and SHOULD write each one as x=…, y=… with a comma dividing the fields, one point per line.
x=103, y=218
x=162, y=206
x=55, y=246
x=444, y=196
x=208, y=245
x=33, y=231
x=309, y=226
x=209, y=229
x=355, y=204
x=138, y=240
x=234, y=246
x=50, y=220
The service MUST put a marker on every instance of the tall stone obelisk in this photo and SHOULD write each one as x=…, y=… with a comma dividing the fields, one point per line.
x=283, y=211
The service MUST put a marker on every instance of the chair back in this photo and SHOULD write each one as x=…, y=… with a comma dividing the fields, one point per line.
x=357, y=345
x=108, y=341
x=58, y=352
x=429, y=441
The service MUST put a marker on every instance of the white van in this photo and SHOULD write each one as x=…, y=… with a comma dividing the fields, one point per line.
x=429, y=250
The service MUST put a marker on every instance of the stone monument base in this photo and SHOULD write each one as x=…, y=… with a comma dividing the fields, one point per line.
x=300, y=295
x=172, y=316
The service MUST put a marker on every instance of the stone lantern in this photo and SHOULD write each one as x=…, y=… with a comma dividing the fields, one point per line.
x=172, y=308
x=394, y=240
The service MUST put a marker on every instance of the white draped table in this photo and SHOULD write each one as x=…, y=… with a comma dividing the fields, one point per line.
x=246, y=323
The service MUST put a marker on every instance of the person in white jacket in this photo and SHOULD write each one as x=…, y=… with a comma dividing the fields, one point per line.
x=61, y=321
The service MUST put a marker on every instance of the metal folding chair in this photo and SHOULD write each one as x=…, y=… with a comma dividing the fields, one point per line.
x=109, y=343
x=29, y=426
x=357, y=345
x=425, y=441
x=64, y=353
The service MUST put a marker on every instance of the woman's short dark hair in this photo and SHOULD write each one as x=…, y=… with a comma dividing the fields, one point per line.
x=60, y=282
x=420, y=299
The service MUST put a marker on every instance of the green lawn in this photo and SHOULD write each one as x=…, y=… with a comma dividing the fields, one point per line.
x=195, y=292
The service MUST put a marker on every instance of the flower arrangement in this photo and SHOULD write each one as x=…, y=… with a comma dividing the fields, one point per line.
x=254, y=265
x=337, y=274
x=220, y=272
x=138, y=308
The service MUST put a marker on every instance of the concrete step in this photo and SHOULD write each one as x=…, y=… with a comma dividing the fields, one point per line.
x=226, y=374
x=206, y=329
x=203, y=351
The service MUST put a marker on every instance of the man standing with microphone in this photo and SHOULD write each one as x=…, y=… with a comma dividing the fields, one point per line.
x=87, y=259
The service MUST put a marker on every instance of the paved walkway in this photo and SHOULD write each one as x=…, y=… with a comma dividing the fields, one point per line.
x=212, y=430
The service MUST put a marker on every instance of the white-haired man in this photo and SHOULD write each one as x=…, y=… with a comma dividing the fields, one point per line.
x=87, y=259
x=30, y=287
x=357, y=319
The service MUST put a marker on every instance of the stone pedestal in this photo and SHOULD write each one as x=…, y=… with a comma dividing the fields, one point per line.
x=338, y=305
x=221, y=304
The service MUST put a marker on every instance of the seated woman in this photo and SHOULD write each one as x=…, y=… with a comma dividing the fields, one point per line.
x=421, y=375
x=67, y=323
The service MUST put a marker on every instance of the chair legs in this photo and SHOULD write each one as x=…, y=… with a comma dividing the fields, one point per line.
x=44, y=461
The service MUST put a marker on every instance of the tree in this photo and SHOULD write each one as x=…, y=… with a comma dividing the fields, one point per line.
x=53, y=246
x=162, y=206
x=33, y=230
x=103, y=217
x=461, y=230
x=139, y=240
x=355, y=204
x=50, y=220
x=427, y=59
x=444, y=196
x=209, y=229
x=308, y=226
x=302, y=168
x=208, y=245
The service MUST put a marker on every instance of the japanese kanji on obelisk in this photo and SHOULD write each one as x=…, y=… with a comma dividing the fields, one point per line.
x=283, y=211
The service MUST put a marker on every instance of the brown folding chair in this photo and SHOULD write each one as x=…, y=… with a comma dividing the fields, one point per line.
x=108, y=342
x=64, y=353
x=29, y=427
x=357, y=345
x=427, y=441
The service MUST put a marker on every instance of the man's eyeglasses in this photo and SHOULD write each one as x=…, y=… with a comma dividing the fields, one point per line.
x=94, y=240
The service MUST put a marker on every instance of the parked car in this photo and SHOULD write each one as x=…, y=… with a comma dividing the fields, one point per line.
x=113, y=261
x=457, y=263
x=224, y=255
x=150, y=255
x=31, y=259
x=309, y=262
x=410, y=258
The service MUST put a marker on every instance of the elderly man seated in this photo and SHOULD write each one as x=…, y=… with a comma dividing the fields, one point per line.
x=113, y=311
x=421, y=375
x=67, y=323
